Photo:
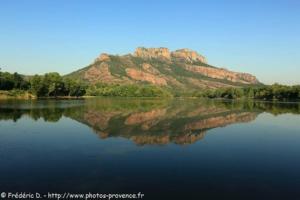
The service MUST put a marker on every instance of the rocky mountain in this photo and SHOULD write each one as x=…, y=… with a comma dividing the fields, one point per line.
x=180, y=69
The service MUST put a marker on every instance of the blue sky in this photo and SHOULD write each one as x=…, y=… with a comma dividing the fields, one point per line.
x=259, y=37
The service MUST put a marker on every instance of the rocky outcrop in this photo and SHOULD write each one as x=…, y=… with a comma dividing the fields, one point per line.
x=147, y=77
x=247, y=77
x=185, y=55
x=92, y=74
x=152, y=53
x=205, y=84
x=148, y=68
x=188, y=55
x=219, y=73
x=102, y=57
x=99, y=72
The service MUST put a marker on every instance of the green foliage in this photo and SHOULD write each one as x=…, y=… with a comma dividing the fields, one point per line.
x=115, y=66
x=202, y=64
x=73, y=88
x=277, y=92
x=273, y=92
x=10, y=81
x=38, y=87
x=52, y=111
x=228, y=93
x=102, y=89
x=53, y=85
x=15, y=94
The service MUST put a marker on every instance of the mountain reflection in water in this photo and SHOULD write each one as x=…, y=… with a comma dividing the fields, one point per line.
x=146, y=121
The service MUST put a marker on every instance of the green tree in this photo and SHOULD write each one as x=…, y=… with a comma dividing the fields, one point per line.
x=6, y=81
x=38, y=86
x=54, y=83
x=74, y=88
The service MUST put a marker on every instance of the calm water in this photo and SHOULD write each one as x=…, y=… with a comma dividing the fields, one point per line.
x=180, y=149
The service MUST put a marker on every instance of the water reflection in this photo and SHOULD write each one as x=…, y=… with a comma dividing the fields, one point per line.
x=146, y=121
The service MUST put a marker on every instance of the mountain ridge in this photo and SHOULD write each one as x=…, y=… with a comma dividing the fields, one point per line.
x=179, y=69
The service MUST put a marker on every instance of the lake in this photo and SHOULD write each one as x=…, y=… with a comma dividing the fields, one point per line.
x=165, y=149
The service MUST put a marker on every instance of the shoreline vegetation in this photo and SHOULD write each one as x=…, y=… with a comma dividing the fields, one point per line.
x=54, y=86
x=26, y=95
x=16, y=94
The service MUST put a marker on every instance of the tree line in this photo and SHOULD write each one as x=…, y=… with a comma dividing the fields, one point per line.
x=53, y=85
x=272, y=92
x=10, y=81
x=103, y=89
x=47, y=85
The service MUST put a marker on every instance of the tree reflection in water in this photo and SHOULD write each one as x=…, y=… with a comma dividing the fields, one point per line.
x=146, y=121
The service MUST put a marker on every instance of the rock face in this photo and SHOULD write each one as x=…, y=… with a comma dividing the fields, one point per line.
x=152, y=52
x=219, y=73
x=143, y=76
x=188, y=55
x=185, y=55
x=182, y=69
x=102, y=57
x=101, y=71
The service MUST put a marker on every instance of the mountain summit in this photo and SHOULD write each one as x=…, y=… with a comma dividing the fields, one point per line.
x=179, y=69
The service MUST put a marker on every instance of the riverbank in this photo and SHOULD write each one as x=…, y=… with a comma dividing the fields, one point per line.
x=66, y=97
x=26, y=95
x=16, y=94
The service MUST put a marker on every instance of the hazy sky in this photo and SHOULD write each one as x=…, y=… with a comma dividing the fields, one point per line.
x=260, y=37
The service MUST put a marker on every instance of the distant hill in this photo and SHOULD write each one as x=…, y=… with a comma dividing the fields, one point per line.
x=181, y=69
